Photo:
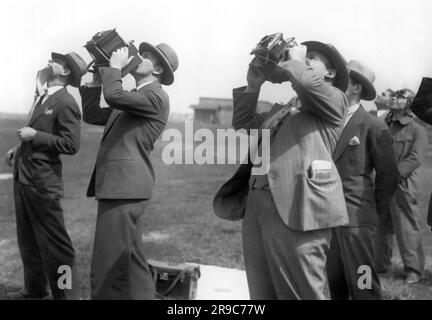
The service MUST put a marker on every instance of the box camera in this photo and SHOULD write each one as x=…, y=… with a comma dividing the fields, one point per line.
x=269, y=51
x=103, y=44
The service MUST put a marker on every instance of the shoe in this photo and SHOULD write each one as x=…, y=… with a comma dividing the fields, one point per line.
x=412, y=277
x=24, y=295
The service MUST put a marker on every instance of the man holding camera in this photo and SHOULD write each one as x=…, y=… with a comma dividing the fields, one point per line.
x=290, y=210
x=53, y=129
x=123, y=178
x=403, y=220
x=365, y=145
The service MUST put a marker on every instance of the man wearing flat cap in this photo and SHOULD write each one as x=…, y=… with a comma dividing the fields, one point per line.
x=53, y=128
x=123, y=177
x=364, y=146
x=409, y=145
x=290, y=210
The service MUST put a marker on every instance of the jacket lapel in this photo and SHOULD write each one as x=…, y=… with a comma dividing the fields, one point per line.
x=349, y=131
x=116, y=113
x=272, y=116
x=111, y=120
x=50, y=102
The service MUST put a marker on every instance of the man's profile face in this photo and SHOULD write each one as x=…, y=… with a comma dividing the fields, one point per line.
x=57, y=67
x=149, y=63
x=399, y=102
x=353, y=87
x=318, y=62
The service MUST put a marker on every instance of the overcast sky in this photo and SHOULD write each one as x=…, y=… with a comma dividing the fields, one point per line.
x=213, y=39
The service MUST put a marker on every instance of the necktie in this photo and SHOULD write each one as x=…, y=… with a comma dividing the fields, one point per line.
x=37, y=102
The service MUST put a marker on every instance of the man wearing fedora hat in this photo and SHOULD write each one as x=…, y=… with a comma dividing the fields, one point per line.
x=52, y=129
x=403, y=220
x=364, y=146
x=288, y=213
x=123, y=178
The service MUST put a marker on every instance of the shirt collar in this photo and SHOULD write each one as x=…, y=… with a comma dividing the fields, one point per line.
x=353, y=108
x=406, y=119
x=53, y=89
x=143, y=85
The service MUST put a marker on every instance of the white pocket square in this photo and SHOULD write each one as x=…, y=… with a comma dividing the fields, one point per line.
x=48, y=111
x=354, y=141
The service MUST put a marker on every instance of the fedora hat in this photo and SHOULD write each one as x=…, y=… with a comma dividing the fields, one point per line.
x=167, y=57
x=335, y=58
x=365, y=76
x=76, y=64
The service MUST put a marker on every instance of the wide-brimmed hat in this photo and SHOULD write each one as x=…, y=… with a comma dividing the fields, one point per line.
x=335, y=58
x=167, y=57
x=365, y=76
x=77, y=65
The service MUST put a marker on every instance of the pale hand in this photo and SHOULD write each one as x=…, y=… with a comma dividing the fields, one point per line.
x=120, y=58
x=26, y=134
x=297, y=53
x=10, y=157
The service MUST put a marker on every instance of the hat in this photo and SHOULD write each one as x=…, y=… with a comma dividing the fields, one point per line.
x=76, y=64
x=167, y=57
x=336, y=59
x=365, y=76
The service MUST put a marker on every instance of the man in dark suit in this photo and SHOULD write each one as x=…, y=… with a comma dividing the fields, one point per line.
x=53, y=129
x=123, y=178
x=291, y=209
x=365, y=145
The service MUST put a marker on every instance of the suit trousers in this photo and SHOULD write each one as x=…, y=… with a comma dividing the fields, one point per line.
x=119, y=270
x=44, y=243
x=402, y=221
x=351, y=248
x=281, y=263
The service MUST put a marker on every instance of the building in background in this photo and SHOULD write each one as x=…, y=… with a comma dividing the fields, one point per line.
x=219, y=110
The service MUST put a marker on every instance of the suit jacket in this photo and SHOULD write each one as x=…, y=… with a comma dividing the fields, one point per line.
x=57, y=122
x=365, y=145
x=303, y=203
x=133, y=122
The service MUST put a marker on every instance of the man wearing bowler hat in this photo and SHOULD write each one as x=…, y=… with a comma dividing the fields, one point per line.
x=123, y=177
x=365, y=145
x=290, y=210
x=409, y=145
x=52, y=129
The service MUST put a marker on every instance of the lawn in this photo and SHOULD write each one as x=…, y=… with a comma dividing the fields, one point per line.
x=179, y=223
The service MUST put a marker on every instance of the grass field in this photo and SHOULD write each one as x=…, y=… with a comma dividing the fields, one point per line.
x=179, y=223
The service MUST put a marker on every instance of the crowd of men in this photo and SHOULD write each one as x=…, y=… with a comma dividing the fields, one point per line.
x=341, y=181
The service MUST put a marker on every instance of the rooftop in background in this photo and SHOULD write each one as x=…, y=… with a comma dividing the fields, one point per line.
x=219, y=110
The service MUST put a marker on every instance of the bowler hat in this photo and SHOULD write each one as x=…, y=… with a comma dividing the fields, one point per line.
x=365, y=76
x=166, y=56
x=76, y=64
x=336, y=59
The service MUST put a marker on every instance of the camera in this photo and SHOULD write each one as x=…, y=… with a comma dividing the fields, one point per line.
x=269, y=51
x=103, y=44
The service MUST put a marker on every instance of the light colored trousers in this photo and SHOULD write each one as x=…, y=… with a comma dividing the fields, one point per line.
x=402, y=221
x=282, y=263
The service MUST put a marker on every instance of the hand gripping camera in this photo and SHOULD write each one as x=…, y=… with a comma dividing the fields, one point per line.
x=269, y=51
x=103, y=44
